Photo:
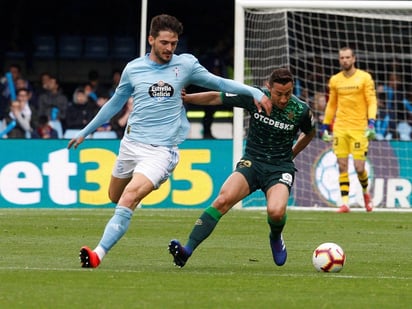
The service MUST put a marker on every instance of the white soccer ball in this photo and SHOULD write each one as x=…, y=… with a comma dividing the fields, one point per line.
x=328, y=257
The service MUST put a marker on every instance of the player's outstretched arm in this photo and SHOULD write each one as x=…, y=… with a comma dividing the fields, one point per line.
x=202, y=98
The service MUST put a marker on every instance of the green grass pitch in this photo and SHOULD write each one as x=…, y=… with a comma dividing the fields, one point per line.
x=233, y=268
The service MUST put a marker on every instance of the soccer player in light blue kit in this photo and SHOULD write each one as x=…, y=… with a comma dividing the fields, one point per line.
x=149, y=152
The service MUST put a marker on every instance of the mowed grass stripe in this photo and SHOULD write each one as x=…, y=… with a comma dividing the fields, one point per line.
x=39, y=266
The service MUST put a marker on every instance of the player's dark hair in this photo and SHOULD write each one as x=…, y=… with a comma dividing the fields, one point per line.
x=165, y=22
x=281, y=76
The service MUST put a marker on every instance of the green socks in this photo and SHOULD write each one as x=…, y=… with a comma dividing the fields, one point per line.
x=276, y=227
x=203, y=227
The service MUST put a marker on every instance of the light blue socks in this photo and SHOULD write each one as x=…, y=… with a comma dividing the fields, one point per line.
x=116, y=227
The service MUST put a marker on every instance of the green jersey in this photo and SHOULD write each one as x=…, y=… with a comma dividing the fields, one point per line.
x=270, y=138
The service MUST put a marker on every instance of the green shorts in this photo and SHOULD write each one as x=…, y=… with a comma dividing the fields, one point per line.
x=261, y=175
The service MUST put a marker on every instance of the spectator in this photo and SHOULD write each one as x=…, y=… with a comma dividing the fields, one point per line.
x=115, y=81
x=407, y=106
x=404, y=127
x=97, y=89
x=101, y=100
x=53, y=103
x=44, y=79
x=214, y=62
x=389, y=106
x=4, y=102
x=80, y=110
x=16, y=73
x=21, y=83
x=20, y=116
x=119, y=121
x=44, y=130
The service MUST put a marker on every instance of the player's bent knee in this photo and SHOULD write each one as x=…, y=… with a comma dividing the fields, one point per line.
x=276, y=214
x=222, y=204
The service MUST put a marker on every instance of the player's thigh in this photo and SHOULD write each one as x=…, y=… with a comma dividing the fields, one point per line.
x=136, y=190
x=277, y=200
x=341, y=144
x=278, y=195
x=359, y=145
x=234, y=189
x=116, y=187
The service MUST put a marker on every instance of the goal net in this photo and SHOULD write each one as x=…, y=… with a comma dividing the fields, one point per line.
x=307, y=40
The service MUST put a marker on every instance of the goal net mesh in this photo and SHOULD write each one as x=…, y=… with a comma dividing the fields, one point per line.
x=307, y=41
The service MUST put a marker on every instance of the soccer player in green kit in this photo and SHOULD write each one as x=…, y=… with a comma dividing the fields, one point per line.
x=267, y=163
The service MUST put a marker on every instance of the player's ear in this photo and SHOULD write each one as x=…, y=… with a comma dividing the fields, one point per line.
x=267, y=85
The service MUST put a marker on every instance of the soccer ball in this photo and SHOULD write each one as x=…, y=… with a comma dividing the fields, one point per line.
x=328, y=257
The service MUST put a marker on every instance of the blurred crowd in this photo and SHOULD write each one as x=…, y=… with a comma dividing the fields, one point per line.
x=42, y=109
x=45, y=109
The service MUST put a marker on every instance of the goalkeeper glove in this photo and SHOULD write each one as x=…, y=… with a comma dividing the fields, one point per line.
x=326, y=137
x=370, y=131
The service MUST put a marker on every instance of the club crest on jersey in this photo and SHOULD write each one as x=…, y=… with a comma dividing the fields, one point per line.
x=244, y=163
x=161, y=90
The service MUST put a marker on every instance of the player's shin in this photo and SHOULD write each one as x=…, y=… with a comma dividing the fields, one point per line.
x=116, y=227
x=203, y=227
x=276, y=227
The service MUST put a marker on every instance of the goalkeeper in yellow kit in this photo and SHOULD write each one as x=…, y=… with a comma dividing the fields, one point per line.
x=351, y=111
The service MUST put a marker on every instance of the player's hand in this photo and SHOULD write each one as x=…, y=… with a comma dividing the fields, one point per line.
x=265, y=103
x=183, y=94
x=75, y=142
x=325, y=135
x=370, y=132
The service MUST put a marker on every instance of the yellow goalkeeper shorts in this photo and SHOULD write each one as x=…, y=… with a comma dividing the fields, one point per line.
x=346, y=141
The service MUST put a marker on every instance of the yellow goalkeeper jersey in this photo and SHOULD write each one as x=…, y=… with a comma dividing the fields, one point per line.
x=352, y=101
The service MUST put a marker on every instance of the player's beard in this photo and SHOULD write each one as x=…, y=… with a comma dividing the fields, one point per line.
x=162, y=57
x=347, y=67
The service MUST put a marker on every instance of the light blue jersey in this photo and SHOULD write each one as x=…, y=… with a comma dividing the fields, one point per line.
x=158, y=115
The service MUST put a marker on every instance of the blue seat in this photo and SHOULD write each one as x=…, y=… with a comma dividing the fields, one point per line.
x=71, y=133
x=70, y=46
x=44, y=46
x=104, y=135
x=96, y=47
x=404, y=131
x=124, y=48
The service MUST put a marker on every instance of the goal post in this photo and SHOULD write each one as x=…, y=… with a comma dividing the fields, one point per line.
x=305, y=36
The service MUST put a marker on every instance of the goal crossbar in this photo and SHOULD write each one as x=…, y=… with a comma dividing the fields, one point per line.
x=325, y=4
